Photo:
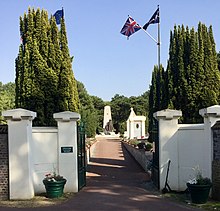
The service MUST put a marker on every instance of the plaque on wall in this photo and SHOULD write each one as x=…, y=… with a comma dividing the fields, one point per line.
x=67, y=149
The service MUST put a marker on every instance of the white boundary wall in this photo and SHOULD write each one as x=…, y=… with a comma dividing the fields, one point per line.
x=186, y=145
x=34, y=152
x=44, y=154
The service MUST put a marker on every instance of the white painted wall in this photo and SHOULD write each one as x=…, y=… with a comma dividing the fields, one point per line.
x=137, y=129
x=34, y=152
x=44, y=154
x=186, y=145
x=191, y=152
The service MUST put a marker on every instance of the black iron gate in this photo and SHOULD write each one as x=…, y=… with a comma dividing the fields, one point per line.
x=81, y=156
x=155, y=167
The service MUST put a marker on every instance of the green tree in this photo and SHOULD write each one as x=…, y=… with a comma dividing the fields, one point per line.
x=7, y=98
x=44, y=81
x=218, y=60
x=99, y=105
x=192, y=78
x=67, y=86
x=121, y=106
x=88, y=113
x=157, y=93
x=120, y=109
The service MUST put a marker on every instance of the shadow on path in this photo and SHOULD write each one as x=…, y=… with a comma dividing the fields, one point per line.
x=115, y=182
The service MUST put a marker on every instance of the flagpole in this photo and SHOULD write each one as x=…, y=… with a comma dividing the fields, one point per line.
x=62, y=13
x=158, y=40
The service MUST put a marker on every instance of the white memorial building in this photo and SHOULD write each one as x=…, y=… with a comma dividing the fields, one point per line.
x=135, y=126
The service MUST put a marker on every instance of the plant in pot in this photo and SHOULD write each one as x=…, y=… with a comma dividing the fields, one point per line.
x=54, y=185
x=199, y=188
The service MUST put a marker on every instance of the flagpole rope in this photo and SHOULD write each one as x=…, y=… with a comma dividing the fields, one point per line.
x=150, y=36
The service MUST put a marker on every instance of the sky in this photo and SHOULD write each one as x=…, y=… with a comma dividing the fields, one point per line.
x=104, y=60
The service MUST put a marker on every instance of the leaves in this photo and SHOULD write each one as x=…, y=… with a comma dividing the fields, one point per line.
x=191, y=81
x=44, y=81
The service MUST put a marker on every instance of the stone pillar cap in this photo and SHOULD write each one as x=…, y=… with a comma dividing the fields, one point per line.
x=210, y=111
x=66, y=116
x=19, y=114
x=167, y=114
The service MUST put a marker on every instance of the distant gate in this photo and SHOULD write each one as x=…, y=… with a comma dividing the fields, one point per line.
x=81, y=156
x=155, y=167
x=4, y=173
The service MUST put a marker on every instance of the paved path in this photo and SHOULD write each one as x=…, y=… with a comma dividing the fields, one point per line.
x=115, y=182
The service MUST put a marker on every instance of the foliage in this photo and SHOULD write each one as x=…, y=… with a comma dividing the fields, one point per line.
x=91, y=110
x=133, y=142
x=7, y=97
x=218, y=60
x=148, y=146
x=120, y=108
x=99, y=105
x=89, y=117
x=44, y=81
x=53, y=177
x=191, y=80
x=199, y=179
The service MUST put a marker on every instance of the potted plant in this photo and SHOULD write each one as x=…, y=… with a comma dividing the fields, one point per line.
x=199, y=188
x=54, y=185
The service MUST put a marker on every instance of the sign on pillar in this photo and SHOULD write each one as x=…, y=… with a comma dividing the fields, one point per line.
x=67, y=145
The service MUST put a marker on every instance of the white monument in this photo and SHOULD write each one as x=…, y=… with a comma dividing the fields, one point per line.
x=107, y=121
x=135, y=126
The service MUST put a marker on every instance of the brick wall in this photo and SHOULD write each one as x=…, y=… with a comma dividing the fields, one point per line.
x=216, y=161
x=4, y=183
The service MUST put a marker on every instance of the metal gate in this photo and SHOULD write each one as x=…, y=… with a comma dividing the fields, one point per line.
x=155, y=166
x=81, y=156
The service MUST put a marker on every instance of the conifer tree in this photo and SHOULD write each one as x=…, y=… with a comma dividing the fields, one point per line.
x=157, y=93
x=44, y=78
x=192, y=78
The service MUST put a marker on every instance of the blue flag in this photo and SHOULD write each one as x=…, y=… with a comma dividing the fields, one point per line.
x=154, y=19
x=58, y=15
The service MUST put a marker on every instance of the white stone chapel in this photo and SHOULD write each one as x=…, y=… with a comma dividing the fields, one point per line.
x=135, y=126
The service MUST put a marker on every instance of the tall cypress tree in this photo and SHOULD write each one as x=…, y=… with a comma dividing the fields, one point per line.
x=157, y=93
x=44, y=78
x=68, y=98
x=192, y=78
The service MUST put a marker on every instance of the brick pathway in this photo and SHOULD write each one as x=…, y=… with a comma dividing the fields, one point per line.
x=115, y=182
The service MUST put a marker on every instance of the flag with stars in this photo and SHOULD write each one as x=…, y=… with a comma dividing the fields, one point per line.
x=154, y=19
x=58, y=15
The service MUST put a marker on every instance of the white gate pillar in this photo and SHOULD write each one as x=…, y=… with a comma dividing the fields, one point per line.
x=210, y=115
x=168, y=125
x=20, y=156
x=67, y=148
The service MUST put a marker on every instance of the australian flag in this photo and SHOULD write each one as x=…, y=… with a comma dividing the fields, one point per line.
x=130, y=27
x=154, y=19
x=58, y=15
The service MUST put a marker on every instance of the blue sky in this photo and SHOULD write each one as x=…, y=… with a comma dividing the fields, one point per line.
x=104, y=60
